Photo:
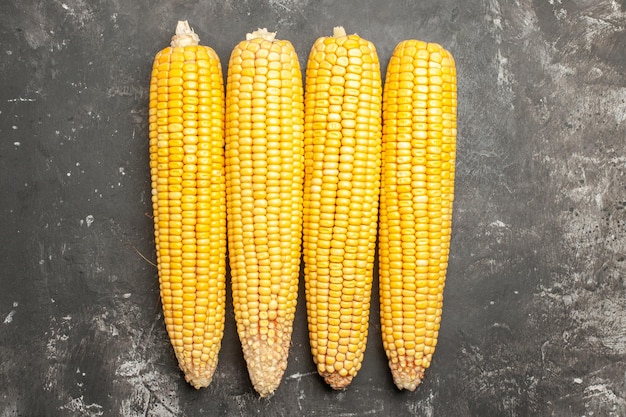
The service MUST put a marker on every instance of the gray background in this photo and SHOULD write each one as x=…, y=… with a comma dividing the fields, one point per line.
x=534, y=317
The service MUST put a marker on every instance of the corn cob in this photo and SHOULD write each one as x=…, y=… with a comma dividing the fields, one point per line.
x=342, y=183
x=186, y=131
x=419, y=146
x=264, y=180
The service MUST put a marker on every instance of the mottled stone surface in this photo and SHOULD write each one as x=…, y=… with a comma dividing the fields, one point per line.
x=535, y=305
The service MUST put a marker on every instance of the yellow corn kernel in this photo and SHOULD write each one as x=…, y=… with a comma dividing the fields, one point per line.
x=343, y=105
x=419, y=153
x=191, y=268
x=264, y=180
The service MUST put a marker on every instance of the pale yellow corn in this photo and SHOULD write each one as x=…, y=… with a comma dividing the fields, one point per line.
x=419, y=148
x=342, y=184
x=264, y=180
x=186, y=128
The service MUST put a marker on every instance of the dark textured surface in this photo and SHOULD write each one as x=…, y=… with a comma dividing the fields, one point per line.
x=535, y=305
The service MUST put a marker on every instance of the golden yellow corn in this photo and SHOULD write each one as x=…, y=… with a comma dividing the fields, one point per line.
x=342, y=184
x=419, y=148
x=264, y=180
x=186, y=128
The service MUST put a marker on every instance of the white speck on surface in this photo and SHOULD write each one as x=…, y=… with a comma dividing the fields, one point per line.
x=78, y=406
x=148, y=390
x=503, y=73
x=20, y=99
x=617, y=96
x=65, y=6
x=423, y=408
x=568, y=299
x=497, y=223
x=69, y=174
x=129, y=368
x=599, y=200
x=9, y=318
x=89, y=220
x=121, y=170
x=601, y=390
x=578, y=381
x=14, y=127
x=9, y=52
x=126, y=295
x=560, y=14
x=16, y=143
x=103, y=324
x=299, y=375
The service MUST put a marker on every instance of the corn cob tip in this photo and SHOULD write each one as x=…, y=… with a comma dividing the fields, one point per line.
x=406, y=377
x=339, y=31
x=266, y=364
x=336, y=381
x=185, y=36
x=198, y=381
x=261, y=33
